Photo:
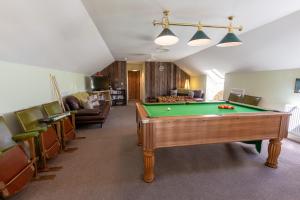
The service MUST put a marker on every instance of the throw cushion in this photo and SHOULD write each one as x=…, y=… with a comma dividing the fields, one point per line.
x=173, y=93
x=191, y=93
x=73, y=103
x=88, y=105
x=197, y=93
x=94, y=100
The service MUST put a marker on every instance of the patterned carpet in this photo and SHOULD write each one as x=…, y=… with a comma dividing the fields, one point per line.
x=108, y=165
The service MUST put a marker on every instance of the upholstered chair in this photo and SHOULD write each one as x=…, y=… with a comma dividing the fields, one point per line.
x=49, y=143
x=67, y=120
x=16, y=168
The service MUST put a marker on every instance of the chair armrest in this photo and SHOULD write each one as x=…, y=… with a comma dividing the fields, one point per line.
x=25, y=136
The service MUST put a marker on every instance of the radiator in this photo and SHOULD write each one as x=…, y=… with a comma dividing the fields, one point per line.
x=294, y=125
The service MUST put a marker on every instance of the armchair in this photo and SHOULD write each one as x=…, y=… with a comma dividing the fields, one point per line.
x=66, y=119
x=16, y=169
x=48, y=140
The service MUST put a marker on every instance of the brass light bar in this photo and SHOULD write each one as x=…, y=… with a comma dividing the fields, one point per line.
x=167, y=37
x=165, y=23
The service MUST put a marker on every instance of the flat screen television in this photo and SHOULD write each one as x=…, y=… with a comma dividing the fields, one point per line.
x=100, y=83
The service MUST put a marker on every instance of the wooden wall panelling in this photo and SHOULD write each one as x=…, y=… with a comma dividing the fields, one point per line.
x=117, y=74
x=159, y=83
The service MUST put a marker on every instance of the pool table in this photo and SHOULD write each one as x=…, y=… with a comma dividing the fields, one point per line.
x=182, y=124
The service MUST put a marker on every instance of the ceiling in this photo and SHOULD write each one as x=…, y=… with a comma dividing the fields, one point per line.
x=56, y=34
x=86, y=35
x=271, y=47
x=127, y=28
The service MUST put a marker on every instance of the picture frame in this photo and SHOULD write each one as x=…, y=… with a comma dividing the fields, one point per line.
x=297, y=85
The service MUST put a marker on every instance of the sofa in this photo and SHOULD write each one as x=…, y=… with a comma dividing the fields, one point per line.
x=96, y=115
x=180, y=95
x=246, y=99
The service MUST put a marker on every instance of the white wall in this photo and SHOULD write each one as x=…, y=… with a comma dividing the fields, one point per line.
x=275, y=87
x=23, y=86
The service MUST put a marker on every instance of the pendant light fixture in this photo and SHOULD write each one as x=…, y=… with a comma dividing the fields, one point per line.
x=199, y=38
x=167, y=37
x=230, y=38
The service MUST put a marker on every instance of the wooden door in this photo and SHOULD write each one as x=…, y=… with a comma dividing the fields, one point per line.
x=134, y=85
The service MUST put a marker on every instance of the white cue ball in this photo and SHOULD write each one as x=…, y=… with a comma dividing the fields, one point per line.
x=168, y=108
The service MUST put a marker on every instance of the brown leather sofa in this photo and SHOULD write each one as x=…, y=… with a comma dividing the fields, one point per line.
x=96, y=115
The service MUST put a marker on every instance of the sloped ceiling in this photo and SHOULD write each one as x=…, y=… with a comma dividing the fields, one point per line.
x=86, y=35
x=56, y=34
x=270, y=47
x=127, y=28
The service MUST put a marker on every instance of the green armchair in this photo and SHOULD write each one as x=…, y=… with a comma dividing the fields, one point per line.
x=48, y=141
x=66, y=119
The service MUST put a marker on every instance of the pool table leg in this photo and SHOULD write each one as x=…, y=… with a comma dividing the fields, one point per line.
x=148, y=166
x=274, y=151
x=139, y=134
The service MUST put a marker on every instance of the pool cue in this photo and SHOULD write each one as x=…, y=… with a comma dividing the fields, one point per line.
x=57, y=92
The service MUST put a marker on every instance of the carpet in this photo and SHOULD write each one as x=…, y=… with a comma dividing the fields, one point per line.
x=108, y=165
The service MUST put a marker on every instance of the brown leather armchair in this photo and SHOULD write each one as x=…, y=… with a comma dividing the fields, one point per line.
x=96, y=115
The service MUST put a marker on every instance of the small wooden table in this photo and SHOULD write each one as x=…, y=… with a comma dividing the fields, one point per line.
x=168, y=125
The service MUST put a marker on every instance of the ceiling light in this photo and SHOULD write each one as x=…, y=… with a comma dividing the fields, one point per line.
x=199, y=39
x=230, y=40
x=166, y=38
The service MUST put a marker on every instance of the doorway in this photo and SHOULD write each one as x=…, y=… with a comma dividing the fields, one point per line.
x=134, y=85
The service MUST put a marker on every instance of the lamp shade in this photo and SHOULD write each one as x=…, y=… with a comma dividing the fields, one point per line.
x=166, y=38
x=199, y=39
x=229, y=40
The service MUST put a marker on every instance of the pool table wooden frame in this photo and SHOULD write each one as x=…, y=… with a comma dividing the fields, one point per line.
x=161, y=132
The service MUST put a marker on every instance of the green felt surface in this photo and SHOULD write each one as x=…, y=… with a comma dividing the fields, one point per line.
x=203, y=108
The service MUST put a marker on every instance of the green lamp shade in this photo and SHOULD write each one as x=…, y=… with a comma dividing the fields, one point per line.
x=166, y=38
x=229, y=40
x=199, y=39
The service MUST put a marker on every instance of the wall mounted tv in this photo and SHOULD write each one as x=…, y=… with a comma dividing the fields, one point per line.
x=100, y=83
